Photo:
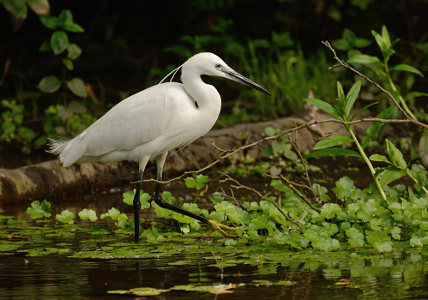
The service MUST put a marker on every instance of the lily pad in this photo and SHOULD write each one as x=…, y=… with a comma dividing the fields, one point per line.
x=142, y=291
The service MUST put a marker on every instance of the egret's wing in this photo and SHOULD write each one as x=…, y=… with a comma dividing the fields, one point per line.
x=134, y=121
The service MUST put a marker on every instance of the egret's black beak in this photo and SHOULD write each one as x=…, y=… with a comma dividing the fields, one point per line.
x=240, y=78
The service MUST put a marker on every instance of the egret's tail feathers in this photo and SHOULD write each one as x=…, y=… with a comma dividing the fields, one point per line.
x=57, y=146
x=69, y=152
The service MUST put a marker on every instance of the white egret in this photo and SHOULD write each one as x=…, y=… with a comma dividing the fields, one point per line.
x=146, y=125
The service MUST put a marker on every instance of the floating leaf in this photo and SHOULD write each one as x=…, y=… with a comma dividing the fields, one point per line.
x=39, y=209
x=128, y=198
x=88, y=214
x=66, y=217
x=143, y=291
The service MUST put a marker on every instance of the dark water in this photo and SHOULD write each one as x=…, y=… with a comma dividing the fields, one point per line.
x=251, y=272
x=310, y=275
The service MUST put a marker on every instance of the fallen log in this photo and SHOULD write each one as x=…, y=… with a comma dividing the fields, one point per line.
x=49, y=178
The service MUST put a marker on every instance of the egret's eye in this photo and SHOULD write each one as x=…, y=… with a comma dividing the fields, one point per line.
x=217, y=66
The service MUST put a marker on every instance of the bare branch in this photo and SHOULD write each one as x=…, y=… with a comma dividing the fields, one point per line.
x=390, y=96
x=274, y=137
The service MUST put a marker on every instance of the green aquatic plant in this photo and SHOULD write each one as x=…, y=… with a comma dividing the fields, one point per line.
x=39, y=209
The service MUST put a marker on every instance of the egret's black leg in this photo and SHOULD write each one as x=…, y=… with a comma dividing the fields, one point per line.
x=137, y=206
x=215, y=226
x=159, y=201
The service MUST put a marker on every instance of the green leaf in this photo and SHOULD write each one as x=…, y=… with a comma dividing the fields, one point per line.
x=395, y=155
x=39, y=7
x=50, y=22
x=379, y=240
x=331, y=141
x=88, y=214
x=330, y=210
x=333, y=152
x=65, y=16
x=45, y=47
x=73, y=51
x=279, y=185
x=352, y=96
x=389, y=174
x=344, y=188
x=355, y=237
x=341, y=44
x=190, y=182
x=378, y=39
x=269, y=131
x=364, y=59
x=362, y=43
x=385, y=37
x=59, y=42
x=363, y=109
x=373, y=129
x=378, y=157
x=72, y=27
x=39, y=210
x=77, y=87
x=406, y=68
x=66, y=217
x=49, y=84
x=18, y=9
x=128, y=198
x=323, y=106
x=279, y=146
x=340, y=93
x=68, y=64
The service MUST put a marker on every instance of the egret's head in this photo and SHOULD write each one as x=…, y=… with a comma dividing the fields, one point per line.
x=207, y=63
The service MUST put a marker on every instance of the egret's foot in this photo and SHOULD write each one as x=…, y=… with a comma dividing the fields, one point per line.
x=216, y=226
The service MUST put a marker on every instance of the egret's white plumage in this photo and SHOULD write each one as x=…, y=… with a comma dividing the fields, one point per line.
x=146, y=125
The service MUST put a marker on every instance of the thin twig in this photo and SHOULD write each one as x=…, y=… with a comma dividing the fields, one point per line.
x=273, y=137
x=305, y=165
x=239, y=185
x=301, y=195
x=349, y=67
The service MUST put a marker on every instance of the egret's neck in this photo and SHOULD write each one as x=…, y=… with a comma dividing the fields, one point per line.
x=205, y=95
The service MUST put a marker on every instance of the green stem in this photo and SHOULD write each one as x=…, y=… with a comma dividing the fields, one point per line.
x=395, y=90
x=415, y=180
x=367, y=161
